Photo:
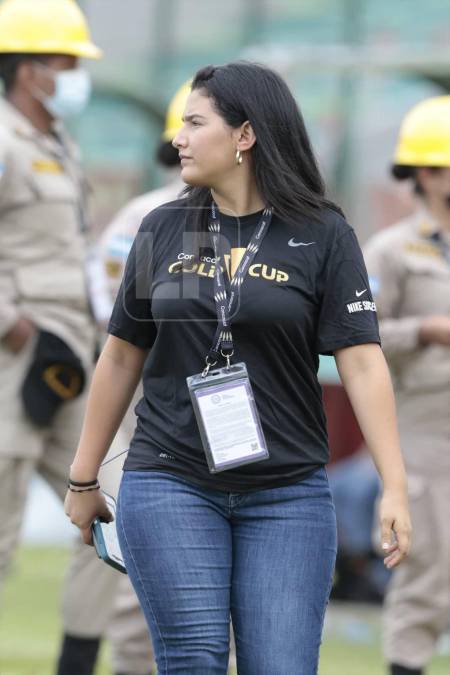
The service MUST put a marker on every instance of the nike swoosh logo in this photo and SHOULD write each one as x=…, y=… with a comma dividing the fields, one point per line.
x=291, y=242
x=359, y=293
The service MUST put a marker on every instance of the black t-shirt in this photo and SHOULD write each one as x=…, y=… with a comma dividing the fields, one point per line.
x=305, y=293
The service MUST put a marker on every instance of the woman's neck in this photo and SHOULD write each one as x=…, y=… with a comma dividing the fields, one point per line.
x=32, y=109
x=238, y=198
x=440, y=211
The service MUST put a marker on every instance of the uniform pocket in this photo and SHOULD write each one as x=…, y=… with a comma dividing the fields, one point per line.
x=426, y=287
x=49, y=186
x=51, y=280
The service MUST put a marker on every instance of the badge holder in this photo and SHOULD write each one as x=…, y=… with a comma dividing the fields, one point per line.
x=223, y=400
x=227, y=417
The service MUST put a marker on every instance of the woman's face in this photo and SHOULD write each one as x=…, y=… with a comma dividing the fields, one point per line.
x=435, y=183
x=206, y=144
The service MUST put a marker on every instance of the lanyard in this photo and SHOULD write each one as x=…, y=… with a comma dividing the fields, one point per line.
x=226, y=294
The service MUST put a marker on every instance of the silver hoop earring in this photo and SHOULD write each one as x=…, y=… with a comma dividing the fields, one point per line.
x=238, y=157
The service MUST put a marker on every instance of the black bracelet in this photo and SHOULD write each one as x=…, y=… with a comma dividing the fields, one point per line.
x=89, y=489
x=88, y=483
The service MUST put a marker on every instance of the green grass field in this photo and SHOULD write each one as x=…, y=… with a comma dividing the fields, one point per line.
x=29, y=628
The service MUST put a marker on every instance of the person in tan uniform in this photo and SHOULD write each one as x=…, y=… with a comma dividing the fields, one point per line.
x=127, y=629
x=117, y=238
x=409, y=266
x=46, y=331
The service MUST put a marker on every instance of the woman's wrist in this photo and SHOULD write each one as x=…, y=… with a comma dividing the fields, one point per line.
x=398, y=486
x=83, y=483
x=88, y=486
x=82, y=473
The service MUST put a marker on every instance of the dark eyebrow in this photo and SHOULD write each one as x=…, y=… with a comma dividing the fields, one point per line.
x=189, y=118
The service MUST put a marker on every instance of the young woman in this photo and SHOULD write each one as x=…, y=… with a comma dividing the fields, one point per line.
x=253, y=266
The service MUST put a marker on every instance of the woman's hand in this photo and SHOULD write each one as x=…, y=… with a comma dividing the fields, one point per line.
x=83, y=508
x=395, y=527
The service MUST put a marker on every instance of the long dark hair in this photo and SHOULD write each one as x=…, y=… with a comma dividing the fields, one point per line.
x=286, y=171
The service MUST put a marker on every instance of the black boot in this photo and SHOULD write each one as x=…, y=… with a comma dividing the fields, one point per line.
x=403, y=670
x=78, y=655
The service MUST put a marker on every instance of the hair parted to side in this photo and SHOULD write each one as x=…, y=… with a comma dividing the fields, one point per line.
x=286, y=171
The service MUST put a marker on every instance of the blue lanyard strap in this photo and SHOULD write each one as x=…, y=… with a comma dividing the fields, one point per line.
x=226, y=294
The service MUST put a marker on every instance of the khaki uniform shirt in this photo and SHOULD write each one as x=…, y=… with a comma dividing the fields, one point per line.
x=41, y=242
x=409, y=270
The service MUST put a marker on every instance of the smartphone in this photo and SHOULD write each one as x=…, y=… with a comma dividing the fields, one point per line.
x=105, y=538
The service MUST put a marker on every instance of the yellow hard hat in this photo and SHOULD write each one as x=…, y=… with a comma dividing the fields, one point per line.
x=424, y=138
x=175, y=112
x=45, y=27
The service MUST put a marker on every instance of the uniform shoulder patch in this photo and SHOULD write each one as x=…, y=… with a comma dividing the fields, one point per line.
x=114, y=269
x=423, y=248
x=46, y=166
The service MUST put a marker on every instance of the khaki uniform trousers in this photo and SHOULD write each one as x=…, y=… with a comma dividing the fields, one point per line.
x=90, y=588
x=417, y=606
x=25, y=449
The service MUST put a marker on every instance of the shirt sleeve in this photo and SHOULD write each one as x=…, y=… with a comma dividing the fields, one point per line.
x=131, y=318
x=347, y=315
x=9, y=311
x=384, y=260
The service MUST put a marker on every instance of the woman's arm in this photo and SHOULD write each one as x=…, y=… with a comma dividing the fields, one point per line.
x=114, y=382
x=365, y=376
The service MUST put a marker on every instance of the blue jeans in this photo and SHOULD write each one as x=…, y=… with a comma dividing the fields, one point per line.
x=195, y=556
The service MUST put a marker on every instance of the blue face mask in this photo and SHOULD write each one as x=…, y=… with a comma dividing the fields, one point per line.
x=72, y=92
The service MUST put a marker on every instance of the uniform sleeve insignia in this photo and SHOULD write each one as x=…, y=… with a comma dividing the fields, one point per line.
x=46, y=166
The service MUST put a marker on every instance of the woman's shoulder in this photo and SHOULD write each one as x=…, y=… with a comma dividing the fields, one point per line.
x=326, y=228
x=173, y=212
x=334, y=224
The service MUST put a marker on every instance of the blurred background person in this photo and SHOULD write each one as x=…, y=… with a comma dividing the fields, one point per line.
x=47, y=332
x=117, y=238
x=128, y=632
x=409, y=266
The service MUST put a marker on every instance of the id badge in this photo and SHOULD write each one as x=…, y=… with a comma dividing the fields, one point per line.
x=227, y=418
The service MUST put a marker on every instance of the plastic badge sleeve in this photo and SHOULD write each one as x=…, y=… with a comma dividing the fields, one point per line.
x=227, y=418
